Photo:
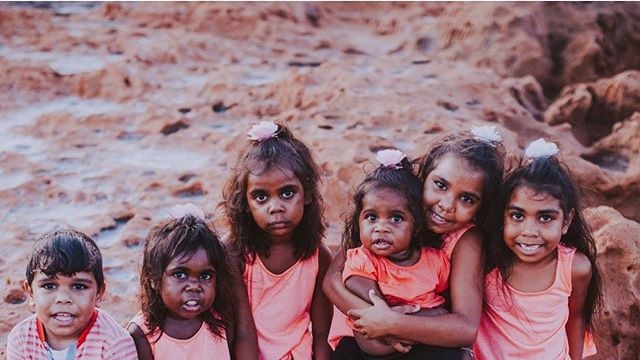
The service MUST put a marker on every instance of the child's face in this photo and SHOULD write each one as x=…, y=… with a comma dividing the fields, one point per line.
x=534, y=224
x=64, y=304
x=188, y=286
x=276, y=200
x=452, y=194
x=386, y=223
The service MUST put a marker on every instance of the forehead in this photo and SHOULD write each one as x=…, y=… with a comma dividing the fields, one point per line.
x=81, y=275
x=457, y=170
x=275, y=176
x=528, y=198
x=200, y=258
x=384, y=198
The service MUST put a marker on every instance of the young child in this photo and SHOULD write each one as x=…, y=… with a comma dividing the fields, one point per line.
x=461, y=175
x=66, y=283
x=274, y=209
x=189, y=294
x=543, y=286
x=388, y=247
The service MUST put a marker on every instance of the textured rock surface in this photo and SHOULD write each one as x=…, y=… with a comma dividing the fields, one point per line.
x=111, y=113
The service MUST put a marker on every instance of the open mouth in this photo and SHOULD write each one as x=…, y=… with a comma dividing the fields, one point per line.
x=437, y=219
x=63, y=318
x=529, y=248
x=192, y=305
x=381, y=244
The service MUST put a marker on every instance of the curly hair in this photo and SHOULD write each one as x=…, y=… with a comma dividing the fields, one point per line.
x=406, y=184
x=283, y=151
x=176, y=238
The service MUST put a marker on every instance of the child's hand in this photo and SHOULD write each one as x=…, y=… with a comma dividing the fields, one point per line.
x=376, y=319
x=404, y=309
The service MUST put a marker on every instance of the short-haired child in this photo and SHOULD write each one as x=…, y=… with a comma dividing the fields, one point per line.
x=274, y=208
x=543, y=285
x=461, y=174
x=191, y=299
x=66, y=283
x=390, y=251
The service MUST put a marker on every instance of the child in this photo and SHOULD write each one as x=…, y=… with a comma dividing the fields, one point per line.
x=544, y=285
x=274, y=209
x=388, y=247
x=461, y=175
x=66, y=283
x=189, y=294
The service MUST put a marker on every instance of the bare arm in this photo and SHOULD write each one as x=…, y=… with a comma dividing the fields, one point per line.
x=321, y=310
x=245, y=344
x=142, y=344
x=576, y=326
x=336, y=290
x=456, y=329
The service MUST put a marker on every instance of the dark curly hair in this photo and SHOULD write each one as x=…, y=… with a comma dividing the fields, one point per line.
x=406, y=184
x=284, y=151
x=180, y=237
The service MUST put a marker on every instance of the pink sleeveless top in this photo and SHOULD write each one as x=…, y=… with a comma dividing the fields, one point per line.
x=203, y=345
x=281, y=305
x=340, y=323
x=527, y=325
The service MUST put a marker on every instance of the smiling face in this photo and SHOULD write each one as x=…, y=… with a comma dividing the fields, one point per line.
x=276, y=201
x=534, y=224
x=64, y=305
x=386, y=224
x=189, y=286
x=452, y=194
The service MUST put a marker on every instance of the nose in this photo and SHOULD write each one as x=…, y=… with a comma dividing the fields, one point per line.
x=530, y=229
x=380, y=227
x=446, y=203
x=193, y=285
x=63, y=297
x=276, y=206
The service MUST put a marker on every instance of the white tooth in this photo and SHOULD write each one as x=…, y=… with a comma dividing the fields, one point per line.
x=192, y=303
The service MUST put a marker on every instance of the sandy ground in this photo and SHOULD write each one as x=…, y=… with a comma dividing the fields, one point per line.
x=111, y=113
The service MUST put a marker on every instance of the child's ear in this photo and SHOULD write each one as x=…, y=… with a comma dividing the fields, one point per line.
x=27, y=288
x=307, y=199
x=100, y=294
x=567, y=221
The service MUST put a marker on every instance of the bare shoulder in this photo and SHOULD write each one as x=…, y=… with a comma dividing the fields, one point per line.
x=135, y=331
x=580, y=267
x=470, y=242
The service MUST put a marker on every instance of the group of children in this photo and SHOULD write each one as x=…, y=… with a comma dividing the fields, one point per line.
x=454, y=260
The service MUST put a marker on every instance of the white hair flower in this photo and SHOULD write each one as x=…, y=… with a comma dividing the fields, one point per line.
x=180, y=211
x=263, y=131
x=390, y=158
x=487, y=134
x=541, y=148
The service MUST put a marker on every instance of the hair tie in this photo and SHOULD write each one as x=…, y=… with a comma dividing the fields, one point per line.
x=390, y=158
x=180, y=211
x=486, y=134
x=541, y=148
x=263, y=131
